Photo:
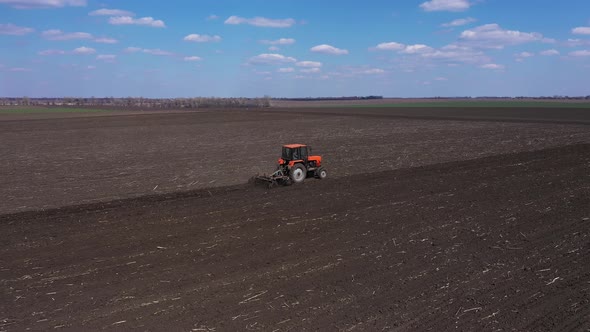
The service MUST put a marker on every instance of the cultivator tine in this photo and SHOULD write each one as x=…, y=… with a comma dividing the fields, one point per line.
x=261, y=180
x=269, y=181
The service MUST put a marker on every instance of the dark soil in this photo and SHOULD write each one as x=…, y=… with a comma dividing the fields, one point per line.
x=421, y=225
x=501, y=242
x=54, y=162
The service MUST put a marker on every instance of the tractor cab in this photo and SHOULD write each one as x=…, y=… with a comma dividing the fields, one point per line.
x=295, y=152
x=299, y=154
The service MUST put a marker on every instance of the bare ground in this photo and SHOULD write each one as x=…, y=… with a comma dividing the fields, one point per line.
x=422, y=225
x=54, y=162
x=496, y=243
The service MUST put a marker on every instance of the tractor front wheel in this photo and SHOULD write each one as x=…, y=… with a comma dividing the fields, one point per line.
x=298, y=173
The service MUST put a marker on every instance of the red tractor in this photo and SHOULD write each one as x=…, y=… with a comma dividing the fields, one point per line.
x=295, y=165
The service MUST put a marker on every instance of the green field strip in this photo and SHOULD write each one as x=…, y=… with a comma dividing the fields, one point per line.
x=471, y=104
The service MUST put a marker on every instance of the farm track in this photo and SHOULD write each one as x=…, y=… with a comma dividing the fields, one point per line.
x=501, y=242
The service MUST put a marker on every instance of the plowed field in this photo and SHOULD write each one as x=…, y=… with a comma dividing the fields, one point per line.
x=145, y=222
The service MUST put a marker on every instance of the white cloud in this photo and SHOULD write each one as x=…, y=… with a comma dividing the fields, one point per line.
x=309, y=64
x=441, y=79
x=372, y=71
x=52, y=52
x=281, y=41
x=84, y=50
x=459, y=22
x=550, y=52
x=132, y=50
x=417, y=49
x=493, y=36
x=20, y=70
x=128, y=20
x=212, y=17
x=328, y=49
x=353, y=71
x=55, y=34
x=274, y=48
x=157, y=51
x=310, y=70
x=270, y=59
x=106, y=57
x=106, y=40
x=202, y=38
x=261, y=22
x=446, y=5
x=390, y=46
x=14, y=30
x=91, y=67
x=456, y=53
x=493, y=66
x=286, y=70
x=580, y=53
x=525, y=55
x=29, y=4
x=111, y=12
x=576, y=42
x=192, y=58
x=581, y=31
x=449, y=54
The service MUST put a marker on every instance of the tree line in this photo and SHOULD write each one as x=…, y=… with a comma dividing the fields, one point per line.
x=331, y=98
x=212, y=102
x=140, y=102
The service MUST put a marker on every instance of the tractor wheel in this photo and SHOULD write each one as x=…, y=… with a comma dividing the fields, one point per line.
x=298, y=173
x=321, y=173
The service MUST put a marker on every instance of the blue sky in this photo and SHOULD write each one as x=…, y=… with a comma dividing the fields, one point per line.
x=294, y=48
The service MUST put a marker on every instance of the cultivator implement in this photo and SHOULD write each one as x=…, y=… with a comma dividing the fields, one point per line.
x=275, y=179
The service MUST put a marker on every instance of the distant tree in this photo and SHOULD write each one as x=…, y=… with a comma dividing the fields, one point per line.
x=266, y=101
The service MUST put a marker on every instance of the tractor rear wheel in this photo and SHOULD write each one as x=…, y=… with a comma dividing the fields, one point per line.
x=298, y=173
x=321, y=173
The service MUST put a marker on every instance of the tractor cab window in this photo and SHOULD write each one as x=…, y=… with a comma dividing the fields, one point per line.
x=295, y=153
x=303, y=154
x=287, y=154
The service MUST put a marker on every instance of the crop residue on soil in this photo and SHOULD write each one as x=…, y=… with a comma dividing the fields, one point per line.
x=474, y=226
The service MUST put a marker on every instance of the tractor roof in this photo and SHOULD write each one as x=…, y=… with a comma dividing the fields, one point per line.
x=294, y=146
